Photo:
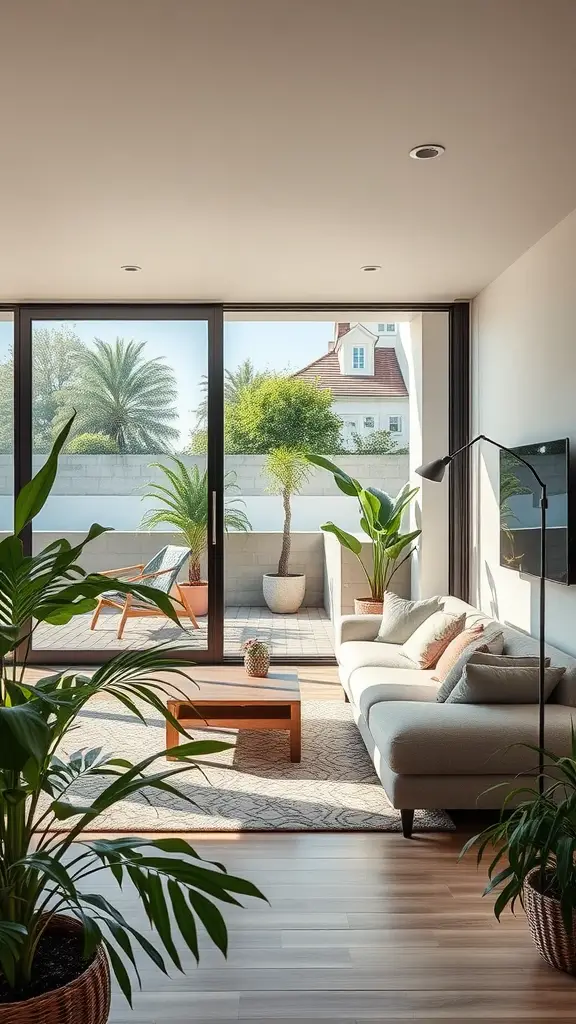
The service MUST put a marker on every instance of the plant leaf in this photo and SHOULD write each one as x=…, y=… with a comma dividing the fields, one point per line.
x=33, y=496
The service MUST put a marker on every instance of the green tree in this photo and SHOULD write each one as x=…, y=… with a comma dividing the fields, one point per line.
x=198, y=443
x=282, y=412
x=235, y=382
x=57, y=354
x=92, y=444
x=126, y=396
x=379, y=442
x=7, y=407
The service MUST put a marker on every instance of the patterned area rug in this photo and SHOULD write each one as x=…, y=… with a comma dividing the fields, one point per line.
x=253, y=786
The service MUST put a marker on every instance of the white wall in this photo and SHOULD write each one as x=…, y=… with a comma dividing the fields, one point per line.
x=425, y=342
x=523, y=390
x=381, y=409
x=356, y=336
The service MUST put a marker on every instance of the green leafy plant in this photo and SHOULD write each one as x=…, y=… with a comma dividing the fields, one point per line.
x=378, y=442
x=235, y=382
x=381, y=521
x=43, y=871
x=184, y=505
x=281, y=412
x=92, y=444
x=288, y=471
x=539, y=833
x=510, y=487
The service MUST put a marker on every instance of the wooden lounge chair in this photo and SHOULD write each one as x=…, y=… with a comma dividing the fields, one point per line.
x=161, y=573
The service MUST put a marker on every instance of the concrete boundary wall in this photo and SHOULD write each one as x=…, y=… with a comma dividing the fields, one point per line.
x=130, y=474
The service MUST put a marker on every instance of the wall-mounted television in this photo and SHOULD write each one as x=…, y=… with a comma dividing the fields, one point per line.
x=520, y=510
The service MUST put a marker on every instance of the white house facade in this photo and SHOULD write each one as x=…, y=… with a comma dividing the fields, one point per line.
x=363, y=370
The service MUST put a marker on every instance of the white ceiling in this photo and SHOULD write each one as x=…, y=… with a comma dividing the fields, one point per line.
x=257, y=150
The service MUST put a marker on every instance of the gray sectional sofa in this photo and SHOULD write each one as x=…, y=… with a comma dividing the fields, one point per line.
x=430, y=754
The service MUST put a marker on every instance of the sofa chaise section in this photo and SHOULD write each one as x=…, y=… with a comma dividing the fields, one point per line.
x=429, y=754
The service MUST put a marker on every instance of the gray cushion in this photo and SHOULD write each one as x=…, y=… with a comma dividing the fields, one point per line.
x=493, y=684
x=464, y=739
x=491, y=637
x=401, y=618
x=369, y=686
x=357, y=653
x=506, y=660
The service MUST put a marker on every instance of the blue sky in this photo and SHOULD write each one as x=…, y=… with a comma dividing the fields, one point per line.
x=184, y=345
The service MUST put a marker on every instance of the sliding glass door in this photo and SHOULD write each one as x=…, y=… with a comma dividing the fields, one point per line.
x=135, y=384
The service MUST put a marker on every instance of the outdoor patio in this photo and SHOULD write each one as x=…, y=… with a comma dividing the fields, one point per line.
x=307, y=634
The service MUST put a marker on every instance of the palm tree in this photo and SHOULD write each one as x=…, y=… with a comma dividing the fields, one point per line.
x=288, y=470
x=127, y=397
x=235, y=382
x=184, y=505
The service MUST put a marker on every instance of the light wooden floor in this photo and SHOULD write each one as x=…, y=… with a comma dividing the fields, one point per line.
x=361, y=927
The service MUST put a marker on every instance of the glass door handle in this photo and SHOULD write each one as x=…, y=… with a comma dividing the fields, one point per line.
x=214, y=530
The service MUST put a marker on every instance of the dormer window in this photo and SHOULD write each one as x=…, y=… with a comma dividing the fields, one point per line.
x=386, y=328
x=359, y=357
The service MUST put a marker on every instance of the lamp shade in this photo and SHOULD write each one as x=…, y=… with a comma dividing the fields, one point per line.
x=434, y=470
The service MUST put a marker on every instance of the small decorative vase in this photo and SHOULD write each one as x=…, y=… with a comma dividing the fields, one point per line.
x=366, y=606
x=256, y=658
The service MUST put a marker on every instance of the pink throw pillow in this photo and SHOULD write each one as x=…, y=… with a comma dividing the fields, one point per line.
x=455, y=649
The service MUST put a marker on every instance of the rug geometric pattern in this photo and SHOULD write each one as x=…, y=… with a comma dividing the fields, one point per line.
x=253, y=786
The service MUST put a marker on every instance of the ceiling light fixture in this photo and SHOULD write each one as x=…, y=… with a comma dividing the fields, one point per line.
x=371, y=268
x=131, y=268
x=428, y=152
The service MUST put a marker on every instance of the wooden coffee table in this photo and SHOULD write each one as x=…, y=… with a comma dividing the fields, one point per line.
x=226, y=698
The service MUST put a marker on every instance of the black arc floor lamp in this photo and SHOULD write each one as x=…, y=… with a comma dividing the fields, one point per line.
x=435, y=471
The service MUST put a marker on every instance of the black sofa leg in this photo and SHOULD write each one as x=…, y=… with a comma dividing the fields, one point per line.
x=346, y=698
x=407, y=823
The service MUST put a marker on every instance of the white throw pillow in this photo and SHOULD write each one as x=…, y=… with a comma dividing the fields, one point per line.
x=431, y=639
x=400, y=618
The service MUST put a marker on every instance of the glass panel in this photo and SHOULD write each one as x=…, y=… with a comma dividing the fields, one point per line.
x=288, y=389
x=139, y=390
x=6, y=423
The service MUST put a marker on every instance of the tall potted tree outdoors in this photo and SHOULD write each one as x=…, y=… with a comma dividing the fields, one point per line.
x=287, y=470
x=183, y=504
x=381, y=521
x=59, y=934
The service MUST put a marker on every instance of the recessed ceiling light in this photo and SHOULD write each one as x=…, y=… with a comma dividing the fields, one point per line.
x=428, y=152
x=132, y=268
x=371, y=268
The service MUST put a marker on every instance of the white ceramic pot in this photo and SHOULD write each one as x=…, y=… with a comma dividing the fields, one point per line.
x=283, y=594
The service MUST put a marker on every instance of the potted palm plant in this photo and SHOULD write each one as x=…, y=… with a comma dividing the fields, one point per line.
x=381, y=521
x=59, y=935
x=532, y=850
x=183, y=504
x=287, y=470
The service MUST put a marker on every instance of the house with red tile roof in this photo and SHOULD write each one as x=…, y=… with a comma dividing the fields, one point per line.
x=365, y=370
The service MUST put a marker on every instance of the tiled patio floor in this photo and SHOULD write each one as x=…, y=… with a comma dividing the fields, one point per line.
x=309, y=633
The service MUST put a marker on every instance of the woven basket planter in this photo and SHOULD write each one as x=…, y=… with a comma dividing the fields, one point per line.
x=555, y=946
x=86, y=1000
x=366, y=606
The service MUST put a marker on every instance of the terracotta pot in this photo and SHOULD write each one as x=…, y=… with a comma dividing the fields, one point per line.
x=283, y=594
x=194, y=597
x=86, y=999
x=366, y=606
x=547, y=929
